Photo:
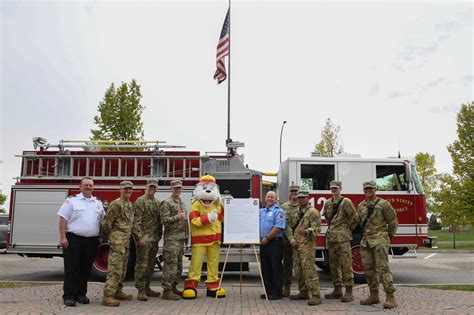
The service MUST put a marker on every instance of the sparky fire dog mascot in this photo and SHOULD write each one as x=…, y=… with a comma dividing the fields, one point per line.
x=205, y=216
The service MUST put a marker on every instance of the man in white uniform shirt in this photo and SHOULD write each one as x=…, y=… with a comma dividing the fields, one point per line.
x=79, y=222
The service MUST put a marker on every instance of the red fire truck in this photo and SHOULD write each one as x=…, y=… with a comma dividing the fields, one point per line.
x=397, y=181
x=51, y=173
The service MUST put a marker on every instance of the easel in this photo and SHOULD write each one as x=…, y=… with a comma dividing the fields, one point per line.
x=258, y=265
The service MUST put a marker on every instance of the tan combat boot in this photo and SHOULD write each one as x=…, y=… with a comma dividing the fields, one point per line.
x=176, y=291
x=390, y=301
x=348, y=297
x=120, y=295
x=169, y=295
x=314, y=300
x=335, y=294
x=110, y=301
x=300, y=296
x=372, y=299
x=141, y=296
x=149, y=292
x=286, y=292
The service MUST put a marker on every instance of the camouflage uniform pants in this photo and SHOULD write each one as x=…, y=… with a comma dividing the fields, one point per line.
x=340, y=263
x=145, y=264
x=375, y=262
x=116, y=270
x=305, y=269
x=173, y=252
x=287, y=264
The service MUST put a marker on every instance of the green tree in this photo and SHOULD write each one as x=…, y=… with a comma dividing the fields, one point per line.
x=3, y=198
x=462, y=149
x=454, y=199
x=330, y=144
x=119, y=116
x=425, y=166
x=433, y=223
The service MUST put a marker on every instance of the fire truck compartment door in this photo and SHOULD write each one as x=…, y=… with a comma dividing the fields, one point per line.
x=35, y=219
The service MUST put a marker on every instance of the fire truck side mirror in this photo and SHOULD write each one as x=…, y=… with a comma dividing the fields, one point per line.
x=409, y=178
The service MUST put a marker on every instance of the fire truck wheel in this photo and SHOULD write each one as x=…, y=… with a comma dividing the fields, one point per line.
x=99, y=266
x=357, y=267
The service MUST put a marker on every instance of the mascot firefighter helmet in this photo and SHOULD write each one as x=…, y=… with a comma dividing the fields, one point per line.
x=207, y=191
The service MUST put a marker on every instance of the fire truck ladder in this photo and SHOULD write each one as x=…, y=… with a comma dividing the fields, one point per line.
x=109, y=166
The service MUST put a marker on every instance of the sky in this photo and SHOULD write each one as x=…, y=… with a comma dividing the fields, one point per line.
x=391, y=74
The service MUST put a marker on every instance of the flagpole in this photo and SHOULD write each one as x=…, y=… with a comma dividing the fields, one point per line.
x=228, y=87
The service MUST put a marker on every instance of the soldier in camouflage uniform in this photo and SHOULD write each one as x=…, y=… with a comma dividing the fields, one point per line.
x=174, y=219
x=291, y=210
x=301, y=235
x=379, y=225
x=342, y=218
x=117, y=224
x=148, y=230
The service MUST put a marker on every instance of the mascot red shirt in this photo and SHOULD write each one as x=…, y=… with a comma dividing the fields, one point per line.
x=206, y=216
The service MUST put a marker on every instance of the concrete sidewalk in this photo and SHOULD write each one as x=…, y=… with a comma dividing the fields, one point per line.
x=411, y=300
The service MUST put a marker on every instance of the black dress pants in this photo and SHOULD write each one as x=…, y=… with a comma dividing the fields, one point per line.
x=78, y=259
x=271, y=257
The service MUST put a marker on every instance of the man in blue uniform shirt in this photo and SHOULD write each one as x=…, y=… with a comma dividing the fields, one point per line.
x=272, y=224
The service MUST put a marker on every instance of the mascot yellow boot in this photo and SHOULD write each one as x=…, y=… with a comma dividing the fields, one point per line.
x=206, y=216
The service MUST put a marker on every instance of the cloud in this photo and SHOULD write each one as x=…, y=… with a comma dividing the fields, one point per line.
x=435, y=83
x=444, y=109
x=411, y=53
x=398, y=94
x=374, y=89
x=467, y=79
x=448, y=26
x=419, y=90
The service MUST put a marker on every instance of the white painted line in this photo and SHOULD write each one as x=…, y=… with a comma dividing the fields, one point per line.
x=428, y=257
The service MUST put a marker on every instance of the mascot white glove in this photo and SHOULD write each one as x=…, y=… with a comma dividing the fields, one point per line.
x=212, y=216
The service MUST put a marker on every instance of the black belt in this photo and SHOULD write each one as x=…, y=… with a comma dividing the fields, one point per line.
x=70, y=233
x=279, y=238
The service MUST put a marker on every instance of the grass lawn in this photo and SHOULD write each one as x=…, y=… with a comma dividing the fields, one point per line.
x=464, y=239
x=8, y=284
x=455, y=287
x=445, y=235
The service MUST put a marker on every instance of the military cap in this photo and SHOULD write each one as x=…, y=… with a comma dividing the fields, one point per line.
x=126, y=184
x=176, y=184
x=152, y=182
x=294, y=187
x=335, y=183
x=302, y=193
x=370, y=184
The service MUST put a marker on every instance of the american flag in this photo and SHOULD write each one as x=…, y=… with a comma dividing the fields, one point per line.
x=223, y=47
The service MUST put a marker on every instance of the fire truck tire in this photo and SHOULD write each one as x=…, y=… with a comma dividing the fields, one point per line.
x=357, y=267
x=99, y=266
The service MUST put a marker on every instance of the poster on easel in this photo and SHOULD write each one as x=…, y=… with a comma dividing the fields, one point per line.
x=241, y=223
